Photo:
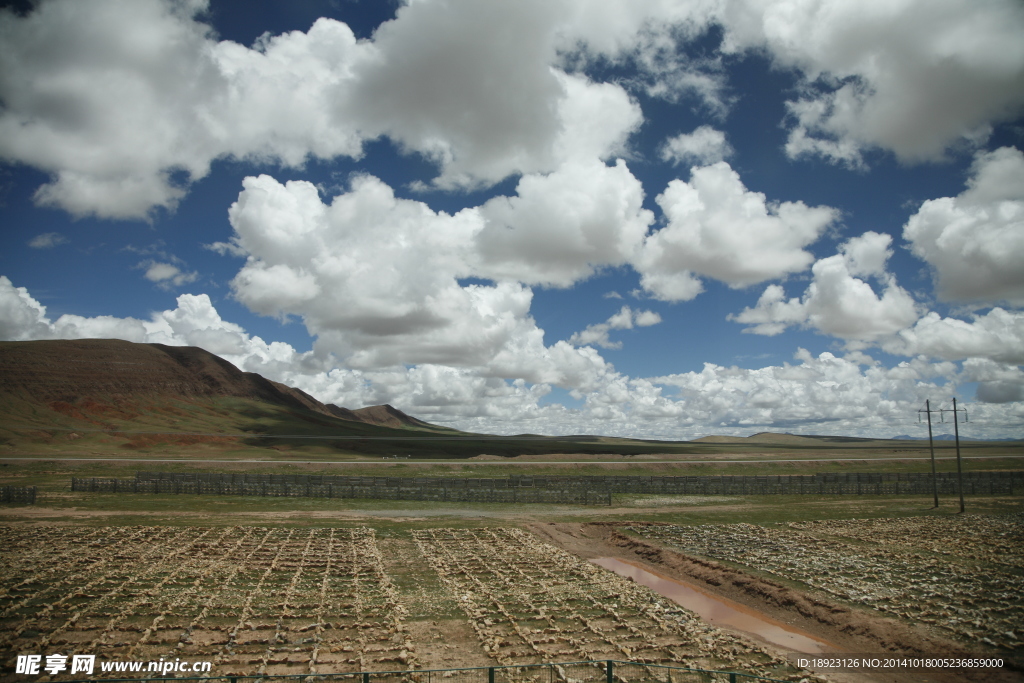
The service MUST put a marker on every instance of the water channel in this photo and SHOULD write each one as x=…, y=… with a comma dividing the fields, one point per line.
x=720, y=611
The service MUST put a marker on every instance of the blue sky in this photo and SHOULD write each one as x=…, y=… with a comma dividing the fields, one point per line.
x=655, y=219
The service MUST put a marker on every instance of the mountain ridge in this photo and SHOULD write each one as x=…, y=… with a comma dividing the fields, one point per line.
x=71, y=375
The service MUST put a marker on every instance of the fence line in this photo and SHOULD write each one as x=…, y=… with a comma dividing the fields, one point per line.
x=450, y=488
x=594, y=671
x=18, y=494
x=545, y=481
x=468, y=495
x=653, y=484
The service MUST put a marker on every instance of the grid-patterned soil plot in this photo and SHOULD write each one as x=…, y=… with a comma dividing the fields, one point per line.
x=995, y=540
x=964, y=575
x=252, y=600
x=530, y=602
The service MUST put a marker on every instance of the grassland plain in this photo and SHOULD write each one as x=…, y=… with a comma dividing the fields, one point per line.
x=417, y=544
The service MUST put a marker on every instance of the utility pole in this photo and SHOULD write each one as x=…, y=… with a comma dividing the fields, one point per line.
x=931, y=447
x=956, y=432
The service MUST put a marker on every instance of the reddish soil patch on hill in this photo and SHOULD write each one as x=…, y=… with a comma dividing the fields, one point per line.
x=148, y=440
x=88, y=409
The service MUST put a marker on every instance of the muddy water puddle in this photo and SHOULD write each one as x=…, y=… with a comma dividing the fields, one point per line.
x=719, y=611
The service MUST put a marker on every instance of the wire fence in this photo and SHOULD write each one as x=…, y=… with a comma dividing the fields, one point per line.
x=25, y=495
x=597, y=671
x=400, y=491
x=829, y=482
x=448, y=488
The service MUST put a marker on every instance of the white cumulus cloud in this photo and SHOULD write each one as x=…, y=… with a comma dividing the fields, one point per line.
x=702, y=147
x=718, y=228
x=124, y=125
x=559, y=228
x=167, y=275
x=376, y=278
x=912, y=77
x=195, y=322
x=113, y=117
x=474, y=86
x=107, y=114
x=974, y=242
x=821, y=394
x=485, y=90
x=997, y=382
x=838, y=302
x=22, y=318
x=998, y=335
x=625, y=319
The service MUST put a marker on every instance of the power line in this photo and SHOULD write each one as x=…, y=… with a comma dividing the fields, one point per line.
x=931, y=447
x=931, y=444
x=956, y=432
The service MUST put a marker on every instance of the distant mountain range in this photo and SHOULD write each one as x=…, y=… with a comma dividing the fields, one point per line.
x=943, y=437
x=91, y=395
